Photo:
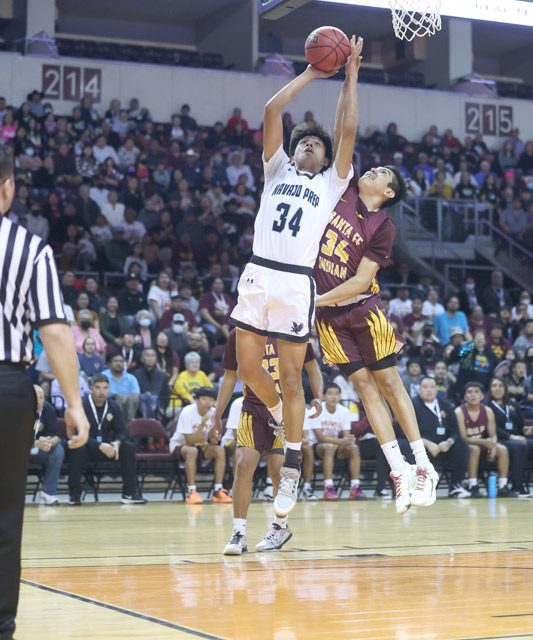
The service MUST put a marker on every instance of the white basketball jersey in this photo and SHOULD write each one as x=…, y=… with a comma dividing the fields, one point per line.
x=295, y=209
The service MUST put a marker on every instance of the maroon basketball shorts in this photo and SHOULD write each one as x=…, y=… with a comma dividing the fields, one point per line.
x=254, y=431
x=357, y=333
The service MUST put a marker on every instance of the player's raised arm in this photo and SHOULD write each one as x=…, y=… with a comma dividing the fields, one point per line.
x=347, y=117
x=272, y=124
x=353, y=287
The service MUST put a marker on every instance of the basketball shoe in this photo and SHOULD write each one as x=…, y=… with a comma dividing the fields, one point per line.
x=236, y=545
x=221, y=496
x=402, y=487
x=287, y=496
x=424, y=486
x=274, y=539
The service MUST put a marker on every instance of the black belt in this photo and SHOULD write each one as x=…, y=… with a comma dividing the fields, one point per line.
x=14, y=365
x=281, y=266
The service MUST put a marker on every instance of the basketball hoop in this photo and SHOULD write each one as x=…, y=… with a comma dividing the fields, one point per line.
x=412, y=18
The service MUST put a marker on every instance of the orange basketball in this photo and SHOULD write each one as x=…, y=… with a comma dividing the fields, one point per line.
x=327, y=48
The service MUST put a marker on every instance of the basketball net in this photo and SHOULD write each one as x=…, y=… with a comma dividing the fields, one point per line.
x=412, y=18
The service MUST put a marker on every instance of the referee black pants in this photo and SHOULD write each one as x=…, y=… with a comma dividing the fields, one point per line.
x=17, y=417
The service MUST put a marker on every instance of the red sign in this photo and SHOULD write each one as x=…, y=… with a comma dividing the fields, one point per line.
x=71, y=83
x=488, y=119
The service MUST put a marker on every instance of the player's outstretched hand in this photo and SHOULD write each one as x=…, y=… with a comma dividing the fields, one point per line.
x=354, y=59
x=77, y=427
x=316, y=73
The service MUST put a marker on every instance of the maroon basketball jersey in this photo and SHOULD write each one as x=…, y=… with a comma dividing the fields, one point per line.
x=270, y=363
x=475, y=428
x=353, y=232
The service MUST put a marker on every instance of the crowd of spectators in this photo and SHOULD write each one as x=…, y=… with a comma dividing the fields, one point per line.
x=166, y=211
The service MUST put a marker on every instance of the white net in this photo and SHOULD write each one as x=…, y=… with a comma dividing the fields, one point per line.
x=411, y=18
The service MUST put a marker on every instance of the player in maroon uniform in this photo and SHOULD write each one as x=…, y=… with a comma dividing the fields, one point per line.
x=354, y=331
x=477, y=426
x=255, y=436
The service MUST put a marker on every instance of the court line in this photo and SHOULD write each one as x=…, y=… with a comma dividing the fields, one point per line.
x=513, y=615
x=291, y=550
x=518, y=635
x=127, y=612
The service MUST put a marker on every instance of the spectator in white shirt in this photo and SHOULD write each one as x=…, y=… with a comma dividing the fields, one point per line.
x=101, y=231
x=401, y=305
x=38, y=224
x=99, y=193
x=102, y=151
x=193, y=439
x=238, y=168
x=113, y=210
x=159, y=296
x=127, y=154
x=525, y=298
x=432, y=306
x=134, y=231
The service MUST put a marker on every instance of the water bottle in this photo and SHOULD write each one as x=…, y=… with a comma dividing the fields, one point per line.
x=492, y=489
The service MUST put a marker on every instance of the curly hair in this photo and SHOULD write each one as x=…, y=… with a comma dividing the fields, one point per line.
x=311, y=129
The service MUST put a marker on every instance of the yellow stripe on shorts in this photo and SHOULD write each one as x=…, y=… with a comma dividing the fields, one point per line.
x=245, y=434
x=330, y=345
x=383, y=337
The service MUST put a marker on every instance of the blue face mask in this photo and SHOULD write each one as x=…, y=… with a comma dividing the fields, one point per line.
x=145, y=322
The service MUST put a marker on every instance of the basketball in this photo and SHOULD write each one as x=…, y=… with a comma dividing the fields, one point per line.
x=327, y=48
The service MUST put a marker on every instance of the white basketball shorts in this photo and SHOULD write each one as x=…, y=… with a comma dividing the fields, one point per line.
x=276, y=300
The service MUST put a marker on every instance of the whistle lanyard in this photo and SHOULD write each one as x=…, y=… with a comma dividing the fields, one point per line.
x=93, y=407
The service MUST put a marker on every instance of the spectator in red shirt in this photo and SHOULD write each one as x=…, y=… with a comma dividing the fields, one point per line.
x=177, y=305
x=235, y=119
x=215, y=309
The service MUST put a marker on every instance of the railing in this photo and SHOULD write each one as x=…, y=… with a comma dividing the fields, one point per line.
x=413, y=213
x=485, y=228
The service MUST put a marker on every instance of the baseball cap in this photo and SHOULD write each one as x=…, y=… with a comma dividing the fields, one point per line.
x=210, y=392
x=456, y=331
x=178, y=317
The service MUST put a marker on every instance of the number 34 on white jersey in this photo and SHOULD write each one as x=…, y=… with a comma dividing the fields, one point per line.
x=295, y=209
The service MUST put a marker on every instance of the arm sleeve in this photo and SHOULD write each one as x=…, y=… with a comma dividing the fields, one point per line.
x=275, y=164
x=234, y=414
x=45, y=300
x=380, y=247
x=119, y=424
x=134, y=383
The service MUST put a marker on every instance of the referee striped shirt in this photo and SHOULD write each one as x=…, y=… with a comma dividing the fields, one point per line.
x=30, y=295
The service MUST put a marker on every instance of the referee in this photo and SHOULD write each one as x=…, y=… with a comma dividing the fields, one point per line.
x=29, y=297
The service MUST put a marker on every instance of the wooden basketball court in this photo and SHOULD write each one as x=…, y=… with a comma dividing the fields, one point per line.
x=459, y=570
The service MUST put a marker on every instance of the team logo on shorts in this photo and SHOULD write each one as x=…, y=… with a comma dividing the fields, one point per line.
x=297, y=326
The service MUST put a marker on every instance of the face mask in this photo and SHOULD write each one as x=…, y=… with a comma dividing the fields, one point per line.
x=29, y=151
x=145, y=322
x=85, y=324
x=525, y=301
x=470, y=287
x=177, y=328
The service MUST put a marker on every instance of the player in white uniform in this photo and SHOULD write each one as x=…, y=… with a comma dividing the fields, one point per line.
x=276, y=290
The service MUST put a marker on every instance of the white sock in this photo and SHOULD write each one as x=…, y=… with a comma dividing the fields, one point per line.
x=502, y=482
x=472, y=482
x=239, y=525
x=269, y=481
x=419, y=452
x=354, y=483
x=394, y=456
x=217, y=486
x=277, y=412
x=295, y=446
x=307, y=485
x=191, y=487
x=328, y=483
x=281, y=522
